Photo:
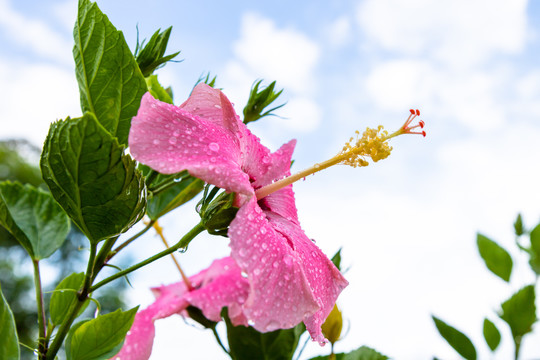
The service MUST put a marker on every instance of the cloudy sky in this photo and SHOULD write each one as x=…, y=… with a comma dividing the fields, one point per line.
x=408, y=224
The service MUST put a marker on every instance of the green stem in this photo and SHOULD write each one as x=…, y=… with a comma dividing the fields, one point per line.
x=104, y=255
x=517, y=343
x=42, y=321
x=75, y=309
x=63, y=330
x=216, y=335
x=184, y=242
x=131, y=239
x=89, y=276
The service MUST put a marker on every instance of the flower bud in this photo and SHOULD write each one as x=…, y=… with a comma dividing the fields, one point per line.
x=333, y=325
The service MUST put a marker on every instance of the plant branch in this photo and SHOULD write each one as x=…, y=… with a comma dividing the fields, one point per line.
x=42, y=321
x=131, y=239
x=183, y=243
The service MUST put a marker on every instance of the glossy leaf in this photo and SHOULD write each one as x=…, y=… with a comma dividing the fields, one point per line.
x=9, y=341
x=247, y=343
x=90, y=177
x=34, y=218
x=497, y=259
x=362, y=353
x=491, y=334
x=99, y=338
x=110, y=83
x=178, y=194
x=459, y=341
x=64, y=297
x=519, y=312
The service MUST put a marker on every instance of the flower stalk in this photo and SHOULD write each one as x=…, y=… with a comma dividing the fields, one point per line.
x=372, y=144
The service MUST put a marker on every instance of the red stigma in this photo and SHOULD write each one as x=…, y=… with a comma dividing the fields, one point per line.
x=408, y=129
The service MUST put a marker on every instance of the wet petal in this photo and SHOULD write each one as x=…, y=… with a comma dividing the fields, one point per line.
x=140, y=338
x=325, y=280
x=170, y=139
x=279, y=165
x=211, y=104
x=226, y=288
x=280, y=296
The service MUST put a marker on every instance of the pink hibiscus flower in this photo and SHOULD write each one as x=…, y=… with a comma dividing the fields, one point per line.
x=221, y=285
x=290, y=279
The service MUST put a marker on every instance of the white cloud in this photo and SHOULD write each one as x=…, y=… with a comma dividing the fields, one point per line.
x=285, y=55
x=339, y=33
x=265, y=51
x=65, y=13
x=35, y=35
x=37, y=95
x=300, y=114
x=475, y=99
x=458, y=32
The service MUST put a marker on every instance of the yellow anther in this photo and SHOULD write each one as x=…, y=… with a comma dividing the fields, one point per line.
x=372, y=144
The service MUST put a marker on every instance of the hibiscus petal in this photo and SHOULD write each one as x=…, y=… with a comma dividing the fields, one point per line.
x=170, y=139
x=209, y=103
x=279, y=165
x=280, y=296
x=324, y=278
x=227, y=288
x=140, y=338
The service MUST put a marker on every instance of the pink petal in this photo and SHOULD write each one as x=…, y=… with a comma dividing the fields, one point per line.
x=280, y=296
x=280, y=202
x=325, y=280
x=209, y=103
x=170, y=139
x=226, y=288
x=279, y=165
x=140, y=338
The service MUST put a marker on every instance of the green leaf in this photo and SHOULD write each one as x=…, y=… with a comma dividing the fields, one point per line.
x=111, y=84
x=336, y=259
x=90, y=177
x=519, y=312
x=33, y=217
x=534, y=253
x=247, y=343
x=518, y=225
x=99, y=338
x=9, y=341
x=64, y=297
x=151, y=56
x=496, y=258
x=158, y=91
x=456, y=339
x=491, y=334
x=178, y=194
x=362, y=353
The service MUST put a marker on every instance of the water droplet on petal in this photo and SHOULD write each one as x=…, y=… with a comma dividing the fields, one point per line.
x=244, y=274
x=213, y=146
x=155, y=142
x=173, y=140
x=263, y=230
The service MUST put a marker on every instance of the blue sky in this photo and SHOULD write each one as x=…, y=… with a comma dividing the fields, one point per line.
x=407, y=224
